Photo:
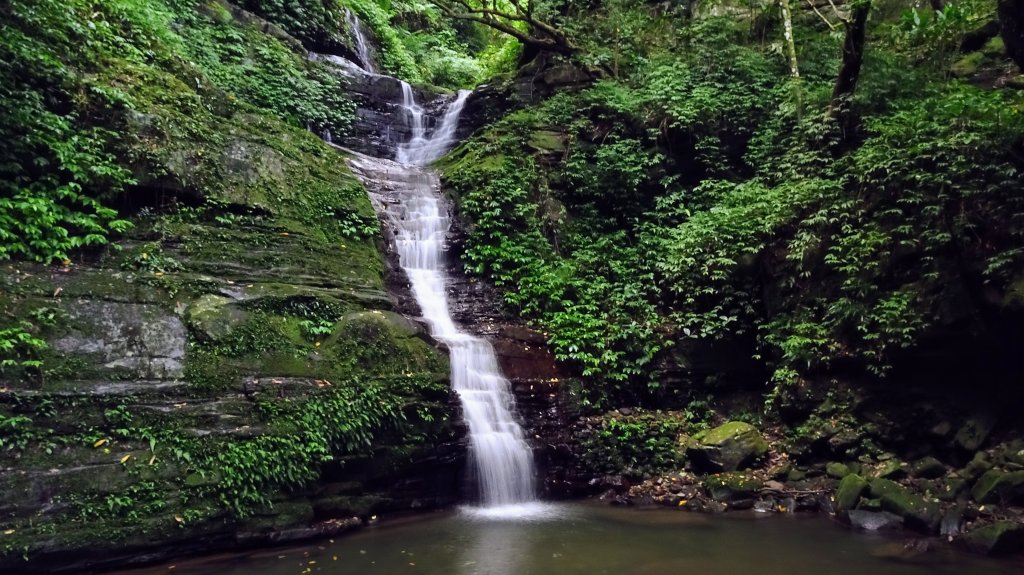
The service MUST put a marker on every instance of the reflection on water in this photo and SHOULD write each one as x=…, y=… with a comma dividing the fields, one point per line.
x=491, y=551
x=589, y=540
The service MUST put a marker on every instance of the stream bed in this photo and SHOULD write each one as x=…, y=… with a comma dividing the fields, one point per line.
x=591, y=539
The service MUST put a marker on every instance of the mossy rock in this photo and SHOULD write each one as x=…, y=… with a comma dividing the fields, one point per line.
x=1000, y=487
x=212, y=317
x=994, y=48
x=968, y=65
x=849, y=491
x=916, y=512
x=728, y=447
x=945, y=488
x=731, y=486
x=1000, y=538
x=893, y=469
x=928, y=468
x=547, y=141
x=977, y=467
x=837, y=470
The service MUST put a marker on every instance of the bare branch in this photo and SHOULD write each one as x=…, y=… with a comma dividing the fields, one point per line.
x=814, y=7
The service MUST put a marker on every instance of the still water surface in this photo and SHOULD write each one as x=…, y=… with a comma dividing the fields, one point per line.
x=578, y=539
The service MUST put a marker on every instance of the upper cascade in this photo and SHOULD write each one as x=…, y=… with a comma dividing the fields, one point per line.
x=421, y=150
x=362, y=45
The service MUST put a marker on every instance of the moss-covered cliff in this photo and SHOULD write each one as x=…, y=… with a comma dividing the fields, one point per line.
x=224, y=366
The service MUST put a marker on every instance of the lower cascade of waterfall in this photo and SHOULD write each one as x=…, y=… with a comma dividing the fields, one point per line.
x=500, y=456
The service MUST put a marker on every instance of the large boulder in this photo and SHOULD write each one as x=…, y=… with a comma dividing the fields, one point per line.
x=733, y=486
x=849, y=491
x=917, y=512
x=1000, y=487
x=729, y=447
x=875, y=520
x=999, y=538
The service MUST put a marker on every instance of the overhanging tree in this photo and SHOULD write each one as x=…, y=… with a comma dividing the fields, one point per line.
x=521, y=19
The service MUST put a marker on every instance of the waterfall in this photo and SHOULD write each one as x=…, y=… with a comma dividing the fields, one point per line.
x=362, y=46
x=501, y=458
x=419, y=150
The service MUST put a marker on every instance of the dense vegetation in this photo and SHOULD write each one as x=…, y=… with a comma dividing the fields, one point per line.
x=700, y=193
x=715, y=197
x=76, y=75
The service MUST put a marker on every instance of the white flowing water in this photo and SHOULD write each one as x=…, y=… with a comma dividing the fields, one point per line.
x=362, y=46
x=501, y=458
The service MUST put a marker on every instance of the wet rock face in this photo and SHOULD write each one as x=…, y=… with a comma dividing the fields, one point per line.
x=141, y=339
x=381, y=122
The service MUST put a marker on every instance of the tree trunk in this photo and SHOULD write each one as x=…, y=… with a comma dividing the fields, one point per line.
x=787, y=31
x=1011, y=24
x=849, y=70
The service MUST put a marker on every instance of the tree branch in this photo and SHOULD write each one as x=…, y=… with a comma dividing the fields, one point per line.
x=542, y=35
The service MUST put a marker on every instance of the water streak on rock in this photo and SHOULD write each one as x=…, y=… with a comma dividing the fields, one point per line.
x=362, y=46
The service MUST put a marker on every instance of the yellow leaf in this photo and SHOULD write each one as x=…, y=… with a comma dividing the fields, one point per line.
x=283, y=234
x=158, y=274
x=100, y=442
x=9, y=532
x=317, y=344
x=682, y=502
x=126, y=458
x=179, y=518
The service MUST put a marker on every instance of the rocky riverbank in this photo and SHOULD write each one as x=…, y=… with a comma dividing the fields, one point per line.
x=733, y=467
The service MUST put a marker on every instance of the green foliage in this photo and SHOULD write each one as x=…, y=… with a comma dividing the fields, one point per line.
x=19, y=348
x=717, y=95
x=698, y=196
x=150, y=257
x=577, y=280
x=55, y=163
x=15, y=432
x=249, y=67
x=339, y=420
x=636, y=445
x=934, y=36
x=94, y=93
x=314, y=330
